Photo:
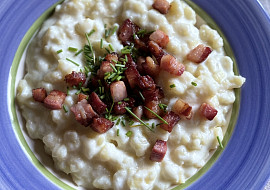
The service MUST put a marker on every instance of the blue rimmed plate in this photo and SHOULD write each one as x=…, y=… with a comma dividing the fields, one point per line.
x=244, y=164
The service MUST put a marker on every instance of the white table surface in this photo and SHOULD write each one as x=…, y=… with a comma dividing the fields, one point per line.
x=266, y=5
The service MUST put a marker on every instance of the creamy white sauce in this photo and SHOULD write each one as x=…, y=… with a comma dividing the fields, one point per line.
x=108, y=161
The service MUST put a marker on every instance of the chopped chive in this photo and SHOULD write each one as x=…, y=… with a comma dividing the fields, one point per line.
x=142, y=96
x=102, y=97
x=118, y=65
x=129, y=133
x=110, y=46
x=219, y=142
x=59, y=51
x=163, y=106
x=65, y=108
x=117, y=132
x=119, y=103
x=126, y=99
x=99, y=82
x=172, y=86
x=118, y=121
x=91, y=32
x=81, y=50
x=115, y=62
x=138, y=118
x=67, y=90
x=107, y=50
x=113, y=67
x=72, y=49
x=114, y=30
x=156, y=115
x=123, y=123
x=194, y=83
x=72, y=62
x=101, y=43
x=119, y=78
x=78, y=92
x=153, y=125
x=85, y=89
x=131, y=123
x=105, y=25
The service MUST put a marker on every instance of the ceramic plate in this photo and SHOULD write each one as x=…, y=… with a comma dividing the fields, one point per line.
x=243, y=164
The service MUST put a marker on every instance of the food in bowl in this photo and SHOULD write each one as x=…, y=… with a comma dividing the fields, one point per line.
x=128, y=94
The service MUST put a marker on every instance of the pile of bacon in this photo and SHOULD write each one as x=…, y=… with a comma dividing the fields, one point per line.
x=136, y=91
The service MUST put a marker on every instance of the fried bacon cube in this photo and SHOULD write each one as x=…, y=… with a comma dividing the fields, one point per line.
x=83, y=112
x=172, y=119
x=55, y=100
x=161, y=38
x=97, y=104
x=126, y=31
x=182, y=108
x=159, y=151
x=208, y=111
x=170, y=64
x=199, y=53
x=39, y=94
x=132, y=76
x=162, y=6
x=118, y=91
x=101, y=125
x=75, y=78
x=155, y=50
x=150, y=67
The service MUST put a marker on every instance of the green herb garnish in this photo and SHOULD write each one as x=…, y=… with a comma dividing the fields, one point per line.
x=194, y=83
x=156, y=115
x=72, y=49
x=129, y=133
x=220, y=144
x=59, y=51
x=163, y=107
x=172, y=86
x=72, y=62
x=65, y=108
x=117, y=132
x=129, y=111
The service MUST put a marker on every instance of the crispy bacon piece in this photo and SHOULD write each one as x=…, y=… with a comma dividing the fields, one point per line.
x=83, y=112
x=97, y=104
x=132, y=76
x=101, y=125
x=160, y=38
x=138, y=111
x=55, y=100
x=146, y=83
x=82, y=96
x=182, y=108
x=162, y=6
x=155, y=94
x=155, y=50
x=140, y=61
x=140, y=44
x=119, y=107
x=150, y=67
x=172, y=119
x=75, y=78
x=152, y=105
x=105, y=67
x=126, y=31
x=118, y=91
x=170, y=64
x=111, y=56
x=159, y=151
x=199, y=53
x=39, y=94
x=208, y=111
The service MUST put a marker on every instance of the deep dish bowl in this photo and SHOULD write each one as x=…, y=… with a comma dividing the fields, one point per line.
x=244, y=25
